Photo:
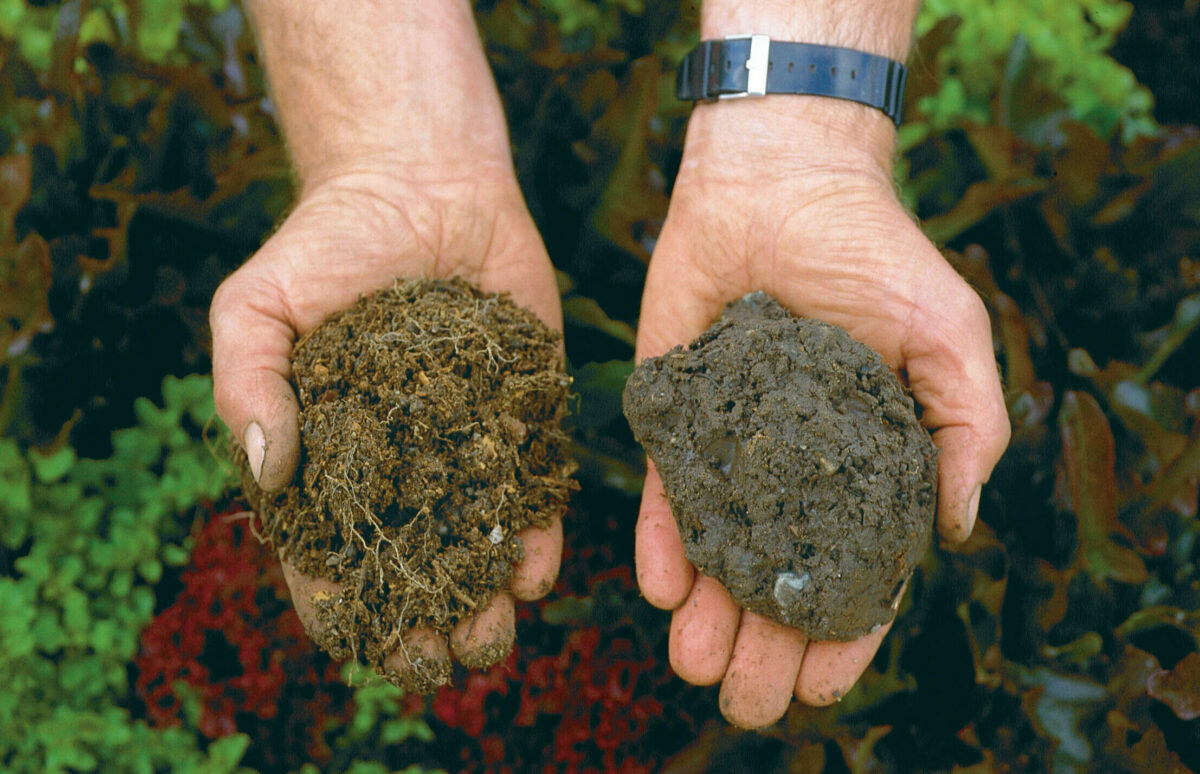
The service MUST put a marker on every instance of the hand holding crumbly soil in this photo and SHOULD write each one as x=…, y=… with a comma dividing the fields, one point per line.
x=430, y=438
x=386, y=189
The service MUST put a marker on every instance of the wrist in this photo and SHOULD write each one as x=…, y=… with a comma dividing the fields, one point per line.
x=370, y=167
x=792, y=132
x=404, y=83
x=787, y=136
x=385, y=187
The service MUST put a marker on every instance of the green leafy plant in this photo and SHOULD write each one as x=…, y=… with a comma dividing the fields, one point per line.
x=987, y=54
x=82, y=542
x=152, y=26
x=596, y=16
x=381, y=721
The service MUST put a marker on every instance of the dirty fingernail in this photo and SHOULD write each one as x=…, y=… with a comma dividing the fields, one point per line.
x=973, y=509
x=255, y=444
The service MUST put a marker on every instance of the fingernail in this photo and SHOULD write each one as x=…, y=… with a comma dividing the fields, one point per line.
x=255, y=444
x=973, y=509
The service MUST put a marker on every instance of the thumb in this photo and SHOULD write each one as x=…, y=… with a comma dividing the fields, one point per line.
x=953, y=375
x=252, y=347
x=680, y=299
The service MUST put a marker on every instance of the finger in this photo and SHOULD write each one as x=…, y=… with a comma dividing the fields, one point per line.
x=830, y=669
x=762, y=673
x=307, y=593
x=252, y=348
x=486, y=638
x=663, y=571
x=421, y=663
x=534, y=576
x=703, y=632
x=952, y=371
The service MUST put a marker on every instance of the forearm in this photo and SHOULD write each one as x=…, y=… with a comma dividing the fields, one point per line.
x=401, y=84
x=802, y=129
x=881, y=27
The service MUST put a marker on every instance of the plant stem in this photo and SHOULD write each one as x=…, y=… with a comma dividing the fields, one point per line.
x=1187, y=320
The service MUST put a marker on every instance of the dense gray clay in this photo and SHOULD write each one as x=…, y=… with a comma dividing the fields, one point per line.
x=795, y=466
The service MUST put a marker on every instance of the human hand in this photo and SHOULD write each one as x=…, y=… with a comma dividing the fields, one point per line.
x=398, y=179
x=810, y=216
x=350, y=235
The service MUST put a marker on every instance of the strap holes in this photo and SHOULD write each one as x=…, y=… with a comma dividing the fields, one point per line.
x=812, y=68
x=728, y=64
x=833, y=71
x=791, y=66
x=853, y=74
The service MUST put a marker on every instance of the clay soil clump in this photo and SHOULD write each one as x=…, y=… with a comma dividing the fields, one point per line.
x=794, y=464
x=430, y=435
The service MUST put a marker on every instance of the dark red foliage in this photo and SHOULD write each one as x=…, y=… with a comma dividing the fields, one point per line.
x=233, y=638
x=583, y=701
x=585, y=691
x=579, y=695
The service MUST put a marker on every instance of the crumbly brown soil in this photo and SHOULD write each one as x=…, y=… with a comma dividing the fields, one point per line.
x=430, y=435
x=794, y=464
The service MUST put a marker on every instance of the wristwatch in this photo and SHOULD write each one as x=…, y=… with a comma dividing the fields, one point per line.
x=754, y=66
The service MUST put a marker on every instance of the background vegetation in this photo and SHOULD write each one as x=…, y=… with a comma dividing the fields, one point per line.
x=1051, y=146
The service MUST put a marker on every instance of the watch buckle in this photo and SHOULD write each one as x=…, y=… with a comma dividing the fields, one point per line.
x=758, y=64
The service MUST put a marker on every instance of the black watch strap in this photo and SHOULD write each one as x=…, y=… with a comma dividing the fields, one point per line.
x=755, y=65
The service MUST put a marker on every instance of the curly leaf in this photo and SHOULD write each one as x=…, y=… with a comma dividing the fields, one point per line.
x=599, y=387
x=1089, y=457
x=1059, y=706
x=1179, y=688
x=585, y=312
x=1162, y=615
x=16, y=178
x=980, y=200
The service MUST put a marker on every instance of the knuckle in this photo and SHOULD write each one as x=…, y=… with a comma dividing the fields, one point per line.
x=1001, y=431
x=224, y=298
x=225, y=397
x=967, y=308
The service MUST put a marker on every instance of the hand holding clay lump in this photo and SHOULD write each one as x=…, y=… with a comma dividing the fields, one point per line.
x=794, y=464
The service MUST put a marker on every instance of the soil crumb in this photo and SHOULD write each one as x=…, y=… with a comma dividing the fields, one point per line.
x=794, y=464
x=430, y=435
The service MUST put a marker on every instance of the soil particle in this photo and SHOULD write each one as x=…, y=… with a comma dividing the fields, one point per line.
x=492, y=653
x=794, y=464
x=430, y=436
